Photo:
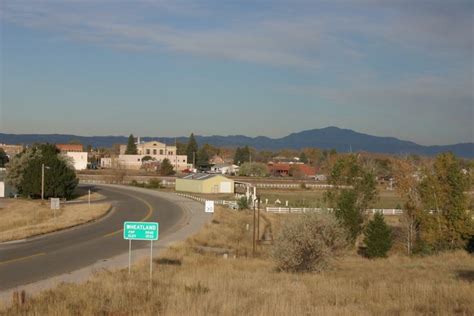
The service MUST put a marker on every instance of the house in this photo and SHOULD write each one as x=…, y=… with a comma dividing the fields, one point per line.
x=76, y=148
x=156, y=150
x=76, y=153
x=225, y=168
x=205, y=183
x=11, y=150
x=284, y=169
x=216, y=160
x=79, y=159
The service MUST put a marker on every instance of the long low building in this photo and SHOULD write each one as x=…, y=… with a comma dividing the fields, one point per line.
x=205, y=183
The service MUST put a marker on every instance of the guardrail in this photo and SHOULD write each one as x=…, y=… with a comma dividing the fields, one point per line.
x=315, y=209
x=123, y=182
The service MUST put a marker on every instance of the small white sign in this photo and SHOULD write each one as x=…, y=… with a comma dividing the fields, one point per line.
x=55, y=205
x=209, y=208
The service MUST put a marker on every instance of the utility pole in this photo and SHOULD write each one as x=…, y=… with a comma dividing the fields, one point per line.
x=254, y=246
x=42, y=182
x=258, y=218
x=176, y=154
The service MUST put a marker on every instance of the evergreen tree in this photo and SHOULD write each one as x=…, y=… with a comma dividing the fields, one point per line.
x=3, y=158
x=242, y=155
x=303, y=157
x=25, y=173
x=181, y=149
x=131, y=146
x=378, y=237
x=192, y=149
x=166, y=169
x=203, y=158
x=238, y=156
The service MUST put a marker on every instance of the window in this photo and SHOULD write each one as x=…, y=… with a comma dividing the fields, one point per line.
x=161, y=151
x=148, y=151
x=154, y=151
x=170, y=153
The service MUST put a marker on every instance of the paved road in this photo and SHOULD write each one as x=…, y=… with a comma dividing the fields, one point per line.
x=63, y=252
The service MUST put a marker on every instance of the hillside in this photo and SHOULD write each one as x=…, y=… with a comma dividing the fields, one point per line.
x=343, y=140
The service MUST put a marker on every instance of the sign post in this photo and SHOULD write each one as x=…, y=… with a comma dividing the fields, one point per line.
x=55, y=205
x=140, y=231
x=209, y=208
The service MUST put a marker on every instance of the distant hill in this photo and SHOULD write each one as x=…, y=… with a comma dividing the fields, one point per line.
x=343, y=140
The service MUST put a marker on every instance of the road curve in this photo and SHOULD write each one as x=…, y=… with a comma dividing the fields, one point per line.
x=63, y=252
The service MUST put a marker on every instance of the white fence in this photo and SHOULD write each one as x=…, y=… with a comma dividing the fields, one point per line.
x=294, y=186
x=392, y=211
x=230, y=204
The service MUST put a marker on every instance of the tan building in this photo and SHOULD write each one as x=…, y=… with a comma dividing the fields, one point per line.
x=11, y=150
x=157, y=151
x=205, y=183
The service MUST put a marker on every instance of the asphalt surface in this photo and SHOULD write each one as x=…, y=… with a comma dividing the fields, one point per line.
x=63, y=252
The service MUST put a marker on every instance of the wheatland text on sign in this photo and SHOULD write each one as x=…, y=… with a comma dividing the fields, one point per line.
x=140, y=230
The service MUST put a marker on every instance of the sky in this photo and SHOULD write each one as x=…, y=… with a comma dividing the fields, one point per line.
x=401, y=68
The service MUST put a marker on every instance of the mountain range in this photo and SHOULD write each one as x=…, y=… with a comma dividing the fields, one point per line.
x=343, y=140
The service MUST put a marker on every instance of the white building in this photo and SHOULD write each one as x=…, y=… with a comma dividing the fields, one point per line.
x=225, y=168
x=6, y=190
x=79, y=159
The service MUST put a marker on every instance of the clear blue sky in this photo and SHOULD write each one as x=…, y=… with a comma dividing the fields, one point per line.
x=401, y=68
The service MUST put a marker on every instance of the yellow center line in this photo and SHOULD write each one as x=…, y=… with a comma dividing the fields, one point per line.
x=23, y=258
x=148, y=215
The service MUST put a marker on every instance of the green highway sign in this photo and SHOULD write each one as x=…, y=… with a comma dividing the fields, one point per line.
x=141, y=230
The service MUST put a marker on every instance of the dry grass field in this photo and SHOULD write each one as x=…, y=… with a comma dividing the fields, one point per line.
x=21, y=218
x=187, y=281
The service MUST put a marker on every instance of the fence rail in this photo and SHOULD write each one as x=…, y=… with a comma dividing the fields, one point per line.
x=391, y=211
x=230, y=204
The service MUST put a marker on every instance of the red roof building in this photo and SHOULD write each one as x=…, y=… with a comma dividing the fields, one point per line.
x=284, y=169
x=70, y=147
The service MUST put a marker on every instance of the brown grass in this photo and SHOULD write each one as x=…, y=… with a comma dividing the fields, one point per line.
x=189, y=283
x=21, y=219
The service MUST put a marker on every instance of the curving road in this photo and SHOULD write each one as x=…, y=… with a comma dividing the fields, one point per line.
x=63, y=252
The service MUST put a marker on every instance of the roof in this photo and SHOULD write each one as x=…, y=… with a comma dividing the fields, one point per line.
x=70, y=147
x=307, y=170
x=201, y=176
x=223, y=165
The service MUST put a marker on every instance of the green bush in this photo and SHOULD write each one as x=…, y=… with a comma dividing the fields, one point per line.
x=243, y=203
x=154, y=184
x=378, y=237
x=309, y=243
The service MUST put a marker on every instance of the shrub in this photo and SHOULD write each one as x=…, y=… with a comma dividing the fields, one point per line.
x=243, y=203
x=378, y=237
x=154, y=184
x=470, y=245
x=309, y=243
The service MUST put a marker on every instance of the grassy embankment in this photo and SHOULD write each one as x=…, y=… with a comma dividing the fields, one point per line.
x=187, y=281
x=22, y=218
x=307, y=198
